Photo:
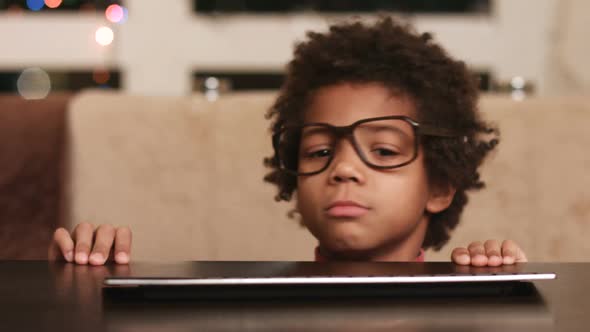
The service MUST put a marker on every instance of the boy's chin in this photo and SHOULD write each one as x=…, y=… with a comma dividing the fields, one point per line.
x=350, y=255
x=347, y=251
x=351, y=236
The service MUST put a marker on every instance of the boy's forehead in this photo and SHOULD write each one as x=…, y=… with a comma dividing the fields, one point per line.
x=346, y=103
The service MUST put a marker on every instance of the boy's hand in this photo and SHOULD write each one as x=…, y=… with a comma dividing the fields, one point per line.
x=87, y=244
x=489, y=254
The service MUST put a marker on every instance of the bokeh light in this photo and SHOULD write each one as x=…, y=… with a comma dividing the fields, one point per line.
x=53, y=3
x=35, y=5
x=14, y=9
x=101, y=76
x=125, y=16
x=33, y=83
x=212, y=83
x=518, y=82
x=87, y=7
x=114, y=13
x=104, y=36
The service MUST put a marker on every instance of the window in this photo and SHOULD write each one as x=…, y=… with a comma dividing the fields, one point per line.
x=342, y=6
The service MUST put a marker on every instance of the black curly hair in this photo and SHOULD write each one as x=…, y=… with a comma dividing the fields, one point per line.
x=393, y=54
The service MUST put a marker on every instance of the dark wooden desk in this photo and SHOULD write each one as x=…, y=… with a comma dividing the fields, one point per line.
x=42, y=296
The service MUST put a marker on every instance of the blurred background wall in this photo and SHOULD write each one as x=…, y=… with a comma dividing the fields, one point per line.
x=172, y=47
x=116, y=158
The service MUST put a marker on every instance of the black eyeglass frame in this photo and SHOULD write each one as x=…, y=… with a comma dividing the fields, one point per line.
x=347, y=131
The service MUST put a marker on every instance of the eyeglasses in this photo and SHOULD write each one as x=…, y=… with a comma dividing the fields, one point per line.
x=382, y=143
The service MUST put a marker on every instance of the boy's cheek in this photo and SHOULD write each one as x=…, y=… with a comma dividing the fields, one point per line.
x=309, y=193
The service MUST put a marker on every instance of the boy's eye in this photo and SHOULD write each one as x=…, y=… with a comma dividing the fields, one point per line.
x=319, y=153
x=385, y=152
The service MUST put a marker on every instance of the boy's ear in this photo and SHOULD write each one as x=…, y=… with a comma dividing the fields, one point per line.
x=440, y=198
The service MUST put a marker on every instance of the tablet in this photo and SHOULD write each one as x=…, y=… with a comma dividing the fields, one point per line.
x=232, y=280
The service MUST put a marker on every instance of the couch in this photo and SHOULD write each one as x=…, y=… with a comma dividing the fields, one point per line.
x=185, y=174
x=32, y=151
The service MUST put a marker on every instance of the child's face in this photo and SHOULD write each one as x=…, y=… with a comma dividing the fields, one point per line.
x=392, y=202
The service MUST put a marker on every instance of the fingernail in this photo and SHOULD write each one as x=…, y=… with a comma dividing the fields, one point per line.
x=69, y=256
x=122, y=257
x=495, y=260
x=479, y=259
x=464, y=258
x=81, y=258
x=97, y=258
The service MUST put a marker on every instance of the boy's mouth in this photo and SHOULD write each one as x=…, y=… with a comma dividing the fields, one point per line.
x=346, y=209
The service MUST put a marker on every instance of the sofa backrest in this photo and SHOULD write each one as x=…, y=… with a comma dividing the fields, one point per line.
x=31, y=159
x=538, y=182
x=186, y=175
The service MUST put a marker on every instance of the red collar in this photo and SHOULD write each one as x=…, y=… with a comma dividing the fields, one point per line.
x=320, y=258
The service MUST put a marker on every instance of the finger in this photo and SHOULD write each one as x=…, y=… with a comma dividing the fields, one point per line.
x=478, y=254
x=62, y=246
x=493, y=252
x=512, y=253
x=103, y=242
x=123, y=245
x=461, y=256
x=83, y=234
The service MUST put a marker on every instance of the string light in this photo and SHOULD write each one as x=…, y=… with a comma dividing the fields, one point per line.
x=14, y=9
x=517, y=82
x=33, y=83
x=35, y=5
x=212, y=83
x=104, y=36
x=115, y=13
x=125, y=16
x=53, y=3
x=101, y=76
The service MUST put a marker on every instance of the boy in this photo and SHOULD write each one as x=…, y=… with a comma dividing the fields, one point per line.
x=377, y=133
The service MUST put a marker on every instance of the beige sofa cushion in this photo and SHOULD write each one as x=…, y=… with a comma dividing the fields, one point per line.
x=186, y=175
x=538, y=182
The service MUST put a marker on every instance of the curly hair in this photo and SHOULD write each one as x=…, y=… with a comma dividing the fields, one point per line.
x=443, y=90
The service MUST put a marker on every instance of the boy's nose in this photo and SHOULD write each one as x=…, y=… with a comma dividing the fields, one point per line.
x=346, y=165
